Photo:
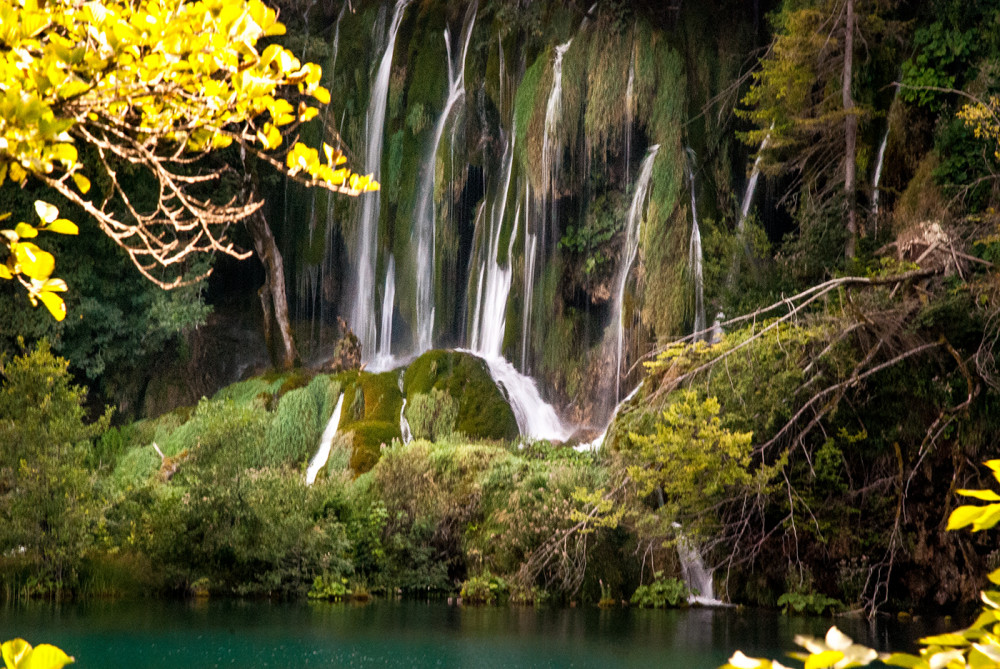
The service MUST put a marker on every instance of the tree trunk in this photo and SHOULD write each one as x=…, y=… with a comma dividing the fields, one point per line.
x=273, y=298
x=850, y=134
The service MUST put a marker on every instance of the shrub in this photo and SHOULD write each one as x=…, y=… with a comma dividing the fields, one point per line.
x=484, y=589
x=661, y=593
x=432, y=415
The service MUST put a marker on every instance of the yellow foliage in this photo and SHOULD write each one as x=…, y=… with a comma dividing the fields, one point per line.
x=141, y=78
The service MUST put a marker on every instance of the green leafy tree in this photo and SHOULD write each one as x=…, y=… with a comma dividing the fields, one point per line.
x=802, y=102
x=46, y=500
x=692, y=460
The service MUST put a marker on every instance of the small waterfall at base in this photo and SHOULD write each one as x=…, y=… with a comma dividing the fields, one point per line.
x=696, y=576
x=363, y=308
x=404, y=425
x=325, y=443
x=384, y=359
x=633, y=228
x=695, y=258
x=425, y=219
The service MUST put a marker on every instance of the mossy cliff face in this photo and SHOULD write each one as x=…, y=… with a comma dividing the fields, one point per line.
x=629, y=80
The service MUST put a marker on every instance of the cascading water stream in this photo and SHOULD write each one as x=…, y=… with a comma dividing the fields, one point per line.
x=878, y=175
x=404, y=425
x=551, y=148
x=695, y=257
x=752, y=182
x=325, y=443
x=384, y=359
x=697, y=577
x=363, y=308
x=631, y=251
x=424, y=219
x=490, y=320
x=598, y=441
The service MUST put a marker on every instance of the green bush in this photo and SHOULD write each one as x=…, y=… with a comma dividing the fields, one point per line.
x=661, y=593
x=47, y=504
x=432, y=415
x=484, y=589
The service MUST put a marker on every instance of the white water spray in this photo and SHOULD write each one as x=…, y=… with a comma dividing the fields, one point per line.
x=878, y=175
x=631, y=251
x=490, y=317
x=325, y=443
x=404, y=425
x=695, y=256
x=384, y=359
x=363, y=308
x=424, y=219
x=752, y=182
x=697, y=577
x=551, y=147
x=536, y=418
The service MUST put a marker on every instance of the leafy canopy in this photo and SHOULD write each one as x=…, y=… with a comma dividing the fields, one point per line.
x=158, y=84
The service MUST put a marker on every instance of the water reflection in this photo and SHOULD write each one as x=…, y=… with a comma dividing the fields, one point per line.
x=253, y=635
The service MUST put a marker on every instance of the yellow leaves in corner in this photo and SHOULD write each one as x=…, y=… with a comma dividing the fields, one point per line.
x=19, y=654
x=981, y=517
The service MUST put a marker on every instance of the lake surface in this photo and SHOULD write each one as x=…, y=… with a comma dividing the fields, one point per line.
x=254, y=635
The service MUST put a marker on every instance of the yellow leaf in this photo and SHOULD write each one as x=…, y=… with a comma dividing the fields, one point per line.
x=13, y=651
x=46, y=211
x=57, y=308
x=827, y=658
x=34, y=262
x=82, y=182
x=25, y=231
x=5, y=273
x=985, y=495
x=322, y=95
x=55, y=286
x=962, y=516
x=17, y=173
x=63, y=226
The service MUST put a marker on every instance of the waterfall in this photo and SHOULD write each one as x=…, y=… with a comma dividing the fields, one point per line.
x=631, y=250
x=384, y=359
x=363, y=308
x=551, y=148
x=629, y=114
x=424, y=219
x=598, y=441
x=752, y=182
x=490, y=316
x=325, y=443
x=695, y=257
x=696, y=576
x=878, y=175
x=536, y=419
x=530, y=254
x=404, y=425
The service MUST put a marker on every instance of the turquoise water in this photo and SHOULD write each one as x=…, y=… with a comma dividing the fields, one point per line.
x=254, y=635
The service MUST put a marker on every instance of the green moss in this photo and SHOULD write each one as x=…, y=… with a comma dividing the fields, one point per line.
x=529, y=120
x=483, y=413
x=369, y=436
x=294, y=431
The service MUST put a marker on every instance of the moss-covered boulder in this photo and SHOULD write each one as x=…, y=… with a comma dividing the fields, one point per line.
x=483, y=412
x=370, y=414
